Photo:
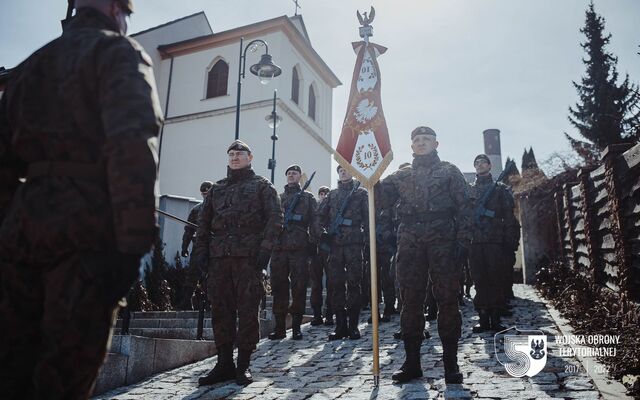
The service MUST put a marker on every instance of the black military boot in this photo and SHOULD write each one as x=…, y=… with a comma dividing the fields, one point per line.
x=388, y=312
x=328, y=320
x=494, y=321
x=341, y=331
x=411, y=368
x=505, y=312
x=296, y=321
x=483, y=326
x=224, y=369
x=450, y=359
x=280, y=331
x=243, y=373
x=317, y=317
x=354, y=319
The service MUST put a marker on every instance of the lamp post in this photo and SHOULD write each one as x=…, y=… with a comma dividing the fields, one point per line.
x=265, y=70
x=274, y=120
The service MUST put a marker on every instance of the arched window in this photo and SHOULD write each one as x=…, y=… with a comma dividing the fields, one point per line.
x=312, y=103
x=295, y=87
x=217, y=80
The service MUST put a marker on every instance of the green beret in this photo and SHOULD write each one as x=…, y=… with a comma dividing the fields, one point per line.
x=240, y=146
x=422, y=130
x=294, y=167
x=206, y=185
x=482, y=157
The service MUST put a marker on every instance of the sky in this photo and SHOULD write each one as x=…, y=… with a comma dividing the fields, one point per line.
x=458, y=66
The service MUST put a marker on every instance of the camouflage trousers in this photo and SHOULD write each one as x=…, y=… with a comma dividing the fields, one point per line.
x=289, y=270
x=417, y=263
x=56, y=322
x=486, y=262
x=386, y=281
x=345, y=276
x=319, y=266
x=235, y=290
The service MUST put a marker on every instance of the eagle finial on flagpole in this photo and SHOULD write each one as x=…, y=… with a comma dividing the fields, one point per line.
x=366, y=30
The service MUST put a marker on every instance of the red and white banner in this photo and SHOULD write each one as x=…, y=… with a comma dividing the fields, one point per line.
x=364, y=148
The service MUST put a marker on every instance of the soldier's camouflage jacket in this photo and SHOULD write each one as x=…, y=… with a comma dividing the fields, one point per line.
x=243, y=213
x=432, y=199
x=303, y=226
x=79, y=120
x=504, y=227
x=385, y=231
x=356, y=214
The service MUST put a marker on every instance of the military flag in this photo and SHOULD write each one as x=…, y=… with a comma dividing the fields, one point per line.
x=364, y=148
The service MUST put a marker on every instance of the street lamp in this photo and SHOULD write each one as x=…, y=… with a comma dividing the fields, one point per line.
x=265, y=70
x=274, y=120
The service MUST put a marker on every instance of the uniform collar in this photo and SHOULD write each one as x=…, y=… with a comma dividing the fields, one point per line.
x=346, y=185
x=292, y=188
x=237, y=175
x=87, y=17
x=425, y=160
x=483, y=180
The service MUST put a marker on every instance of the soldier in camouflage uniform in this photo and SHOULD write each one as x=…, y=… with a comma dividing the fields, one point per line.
x=385, y=248
x=487, y=255
x=435, y=224
x=291, y=254
x=318, y=267
x=345, y=256
x=78, y=121
x=190, y=231
x=243, y=213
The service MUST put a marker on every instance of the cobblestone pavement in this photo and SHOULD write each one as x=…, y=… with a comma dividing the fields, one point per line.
x=314, y=368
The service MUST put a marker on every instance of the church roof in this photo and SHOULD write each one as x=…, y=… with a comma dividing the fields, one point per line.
x=198, y=14
x=298, y=38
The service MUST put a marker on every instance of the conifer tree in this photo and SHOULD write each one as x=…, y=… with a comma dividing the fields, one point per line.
x=606, y=112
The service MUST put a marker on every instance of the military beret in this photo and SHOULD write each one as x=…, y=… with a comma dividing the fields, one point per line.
x=324, y=189
x=127, y=5
x=483, y=157
x=294, y=167
x=206, y=185
x=240, y=146
x=422, y=130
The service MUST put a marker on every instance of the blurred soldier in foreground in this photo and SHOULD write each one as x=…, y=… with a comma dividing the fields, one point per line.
x=494, y=225
x=243, y=213
x=189, y=231
x=318, y=267
x=291, y=254
x=434, y=226
x=346, y=218
x=78, y=121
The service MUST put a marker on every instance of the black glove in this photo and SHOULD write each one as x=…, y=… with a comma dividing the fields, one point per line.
x=263, y=259
x=185, y=253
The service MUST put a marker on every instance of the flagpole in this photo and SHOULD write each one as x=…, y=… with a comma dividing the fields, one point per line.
x=373, y=266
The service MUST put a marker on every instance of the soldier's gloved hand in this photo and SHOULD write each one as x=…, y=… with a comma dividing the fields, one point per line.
x=263, y=259
x=185, y=253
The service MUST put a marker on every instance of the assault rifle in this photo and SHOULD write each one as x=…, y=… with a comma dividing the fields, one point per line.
x=288, y=214
x=338, y=221
x=481, y=209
